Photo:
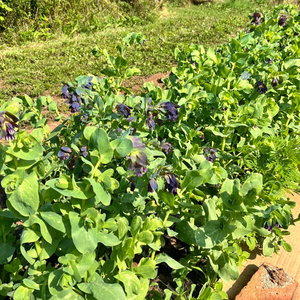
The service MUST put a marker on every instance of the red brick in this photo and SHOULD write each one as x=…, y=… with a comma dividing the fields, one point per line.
x=269, y=283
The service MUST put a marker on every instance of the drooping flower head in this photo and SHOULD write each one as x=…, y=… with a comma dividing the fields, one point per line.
x=166, y=147
x=7, y=125
x=275, y=82
x=83, y=151
x=282, y=20
x=268, y=227
x=210, y=154
x=124, y=110
x=172, y=183
x=171, y=110
x=150, y=122
x=152, y=185
x=256, y=18
x=138, y=157
x=64, y=153
x=261, y=87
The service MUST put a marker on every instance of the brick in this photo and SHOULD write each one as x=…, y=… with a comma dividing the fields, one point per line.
x=269, y=283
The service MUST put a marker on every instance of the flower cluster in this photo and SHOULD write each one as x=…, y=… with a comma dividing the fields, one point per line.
x=210, y=154
x=257, y=18
x=83, y=151
x=74, y=96
x=261, y=87
x=7, y=125
x=171, y=110
x=64, y=153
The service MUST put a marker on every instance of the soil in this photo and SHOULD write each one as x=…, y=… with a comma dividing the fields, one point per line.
x=164, y=280
x=274, y=277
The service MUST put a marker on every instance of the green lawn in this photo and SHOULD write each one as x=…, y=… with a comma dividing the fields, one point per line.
x=40, y=68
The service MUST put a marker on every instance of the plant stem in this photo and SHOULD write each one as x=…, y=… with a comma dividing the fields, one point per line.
x=158, y=237
x=225, y=131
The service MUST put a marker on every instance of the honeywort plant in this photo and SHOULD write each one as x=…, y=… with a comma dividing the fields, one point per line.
x=87, y=209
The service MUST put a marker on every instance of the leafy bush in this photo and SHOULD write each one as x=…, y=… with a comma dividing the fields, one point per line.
x=88, y=209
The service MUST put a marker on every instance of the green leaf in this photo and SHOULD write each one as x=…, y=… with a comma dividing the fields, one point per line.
x=136, y=225
x=99, y=140
x=52, y=107
x=31, y=149
x=53, y=219
x=213, y=233
x=25, y=199
x=191, y=180
x=163, y=257
x=83, y=235
x=100, y=194
x=166, y=197
x=145, y=237
x=23, y=293
x=107, y=239
x=130, y=281
x=292, y=63
x=185, y=232
x=7, y=253
x=31, y=284
x=211, y=55
x=145, y=271
x=287, y=247
x=268, y=246
x=88, y=131
x=79, y=192
x=101, y=290
x=110, y=72
x=122, y=146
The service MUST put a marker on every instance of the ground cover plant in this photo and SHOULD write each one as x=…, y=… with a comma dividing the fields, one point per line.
x=38, y=68
x=173, y=180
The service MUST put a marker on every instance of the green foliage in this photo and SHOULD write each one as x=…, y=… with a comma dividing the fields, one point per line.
x=87, y=208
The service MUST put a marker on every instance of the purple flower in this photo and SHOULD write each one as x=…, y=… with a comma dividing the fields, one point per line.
x=268, y=227
x=171, y=110
x=255, y=126
x=282, y=20
x=143, y=43
x=64, y=153
x=84, y=118
x=261, y=87
x=256, y=18
x=132, y=184
x=152, y=185
x=138, y=163
x=172, y=183
x=210, y=154
x=124, y=110
x=150, y=123
x=7, y=125
x=119, y=130
x=83, y=151
x=166, y=147
x=275, y=82
x=278, y=225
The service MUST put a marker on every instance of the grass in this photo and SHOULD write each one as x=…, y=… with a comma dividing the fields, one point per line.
x=40, y=68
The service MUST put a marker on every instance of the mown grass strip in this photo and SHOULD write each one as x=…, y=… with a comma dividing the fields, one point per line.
x=39, y=68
